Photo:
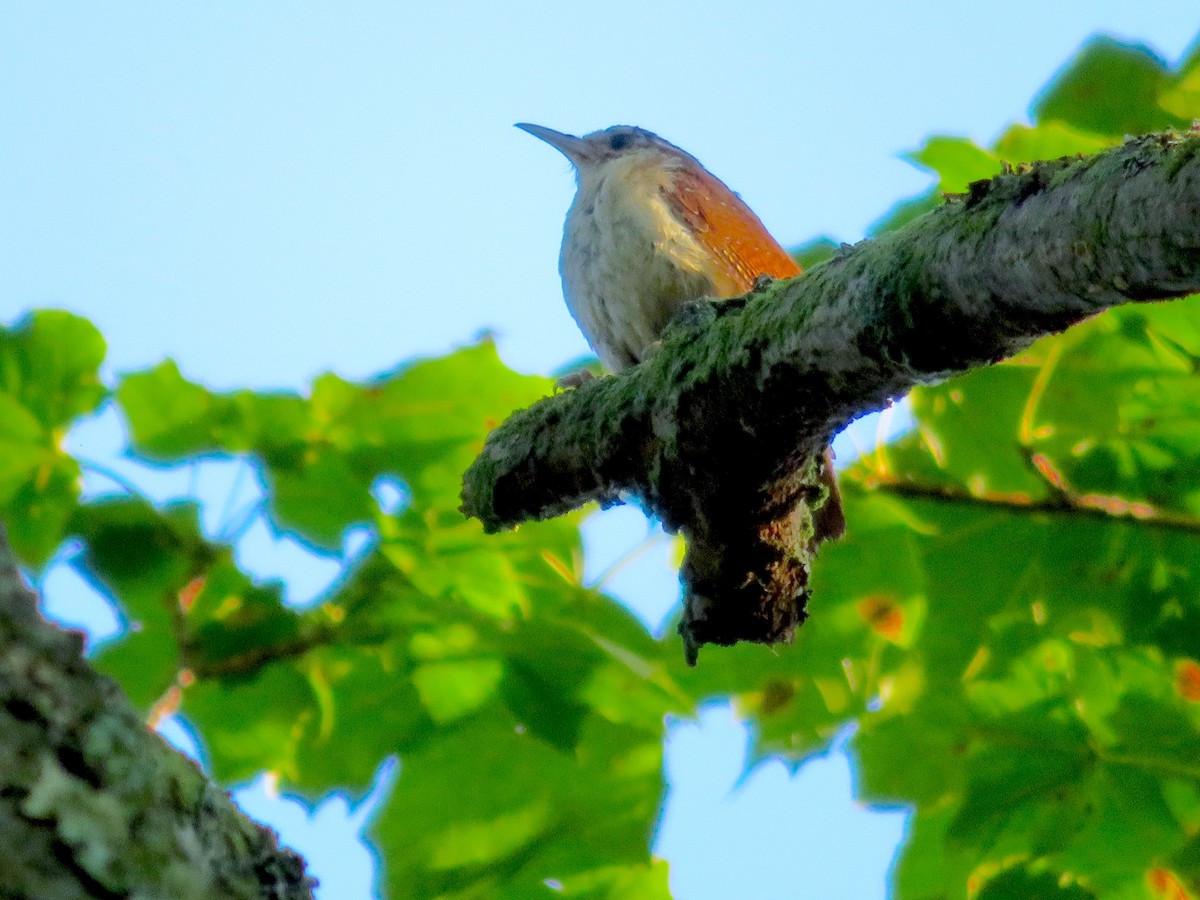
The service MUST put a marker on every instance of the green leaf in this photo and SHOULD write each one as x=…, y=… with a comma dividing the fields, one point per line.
x=1111, y=88
x=1024, y=884
x=168, y=415
x=143, y=559
x=1048, y=140
x=813, y=252
x=550, y=681
x=50, y=364
x=171, y=418
x=451, y=689
x=253, y=722
x=457, y=562
x=536, y=815
x=1128, y=830
x=37, y=516
x=1182, y=99
x=1029, y=769
x=1184, y=866
x=426, y=421
x=22, y=447
x=632, y=882
x=49, y=375
x=923, y=871
x=459, y=397
x=369, y=708
x=318, y=496
x=956, y=161
x=231, y=622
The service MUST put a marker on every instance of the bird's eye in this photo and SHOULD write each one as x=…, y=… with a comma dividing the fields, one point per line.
x=620, y=140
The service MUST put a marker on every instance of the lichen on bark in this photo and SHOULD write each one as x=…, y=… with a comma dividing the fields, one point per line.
x=93, y=803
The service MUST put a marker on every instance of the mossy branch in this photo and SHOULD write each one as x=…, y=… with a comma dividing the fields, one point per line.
x=94, y=804
x=719, y=434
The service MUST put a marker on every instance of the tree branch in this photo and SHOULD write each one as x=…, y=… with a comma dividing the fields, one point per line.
x=92, y=803
x=1087, y=506
x=719, y=433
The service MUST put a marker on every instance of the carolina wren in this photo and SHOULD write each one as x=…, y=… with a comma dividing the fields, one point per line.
x=651, y=229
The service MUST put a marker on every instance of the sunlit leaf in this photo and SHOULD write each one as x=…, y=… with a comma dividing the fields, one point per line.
x=1110, y=87
x=956, y=161
x=50, y=364
x=49, y=375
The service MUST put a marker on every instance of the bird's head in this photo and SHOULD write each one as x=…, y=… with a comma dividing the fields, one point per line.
x=594, y=153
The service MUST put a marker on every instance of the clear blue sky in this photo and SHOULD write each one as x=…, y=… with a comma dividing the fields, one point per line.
x=265, y=191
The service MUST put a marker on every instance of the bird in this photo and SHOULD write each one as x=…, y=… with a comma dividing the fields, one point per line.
x=651, y=229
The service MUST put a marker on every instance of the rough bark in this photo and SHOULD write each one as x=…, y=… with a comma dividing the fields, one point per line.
x=720, y=432
x=92, y=803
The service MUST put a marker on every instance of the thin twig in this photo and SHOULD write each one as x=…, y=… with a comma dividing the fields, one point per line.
x=1062, y=502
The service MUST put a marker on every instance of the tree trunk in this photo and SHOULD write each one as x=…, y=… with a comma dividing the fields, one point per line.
x=94, y=804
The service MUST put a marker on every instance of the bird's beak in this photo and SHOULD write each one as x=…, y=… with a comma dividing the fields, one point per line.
x=573, y=148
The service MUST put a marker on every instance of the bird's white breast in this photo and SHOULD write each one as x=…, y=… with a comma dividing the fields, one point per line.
x=627, y=263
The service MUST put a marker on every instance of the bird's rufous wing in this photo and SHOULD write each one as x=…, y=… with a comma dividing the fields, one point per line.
x=740, y=248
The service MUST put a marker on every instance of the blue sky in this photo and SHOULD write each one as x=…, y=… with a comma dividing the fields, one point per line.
x=266, y=191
